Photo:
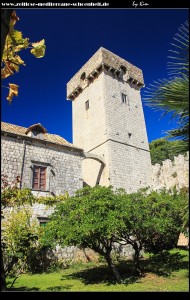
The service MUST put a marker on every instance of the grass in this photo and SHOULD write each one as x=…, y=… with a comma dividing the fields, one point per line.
x=171, y=275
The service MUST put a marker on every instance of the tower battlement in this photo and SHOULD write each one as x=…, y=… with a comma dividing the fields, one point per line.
x=103, y=59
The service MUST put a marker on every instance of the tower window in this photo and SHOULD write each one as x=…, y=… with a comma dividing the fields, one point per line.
x=125, y=99
x=87, y=105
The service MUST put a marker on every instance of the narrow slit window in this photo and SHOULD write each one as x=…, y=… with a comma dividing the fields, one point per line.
x=87, y=105
x=125, y=99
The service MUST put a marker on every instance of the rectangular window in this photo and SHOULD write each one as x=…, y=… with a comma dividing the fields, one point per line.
x=125, y=99
x=39, y=178
x=43, y=221
x=87, y=105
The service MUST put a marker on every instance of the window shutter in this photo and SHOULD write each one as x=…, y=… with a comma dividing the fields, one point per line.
x=42, y=178
x=36, y=177
x=39, y=178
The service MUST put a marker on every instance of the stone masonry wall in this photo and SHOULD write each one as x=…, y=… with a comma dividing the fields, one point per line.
x=129, y=157
x=64, y=166
x=170, y=174
x=90, y=131
x=124, y=121
x=76, y=254
x=89, y=128
x=129, y=167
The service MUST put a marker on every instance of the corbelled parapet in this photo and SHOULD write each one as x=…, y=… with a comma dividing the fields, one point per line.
x=103, y=59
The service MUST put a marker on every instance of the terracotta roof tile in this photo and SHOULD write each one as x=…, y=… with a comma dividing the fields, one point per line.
x=53, y=138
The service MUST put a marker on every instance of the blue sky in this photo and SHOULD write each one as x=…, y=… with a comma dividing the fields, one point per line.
x=72, y=36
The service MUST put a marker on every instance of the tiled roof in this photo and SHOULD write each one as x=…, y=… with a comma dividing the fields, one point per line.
x=21, y=131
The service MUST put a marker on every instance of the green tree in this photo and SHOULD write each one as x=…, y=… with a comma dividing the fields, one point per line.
x=89, y=219
x=12, y=196
x=20, y=234
x=162, y=149
x=21, y=246
x=97, y=217
x=151, y=220
x=185, y=212
x=172, y=95
x=163, y=222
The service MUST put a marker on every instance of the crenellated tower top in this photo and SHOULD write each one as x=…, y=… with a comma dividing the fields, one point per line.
x=103, y=59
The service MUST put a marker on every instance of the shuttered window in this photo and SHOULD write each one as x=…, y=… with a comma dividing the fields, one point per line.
x=39, y=178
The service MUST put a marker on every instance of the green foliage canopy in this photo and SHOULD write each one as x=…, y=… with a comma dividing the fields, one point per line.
x=97, y=217
x=162, y=149
x=89, y=219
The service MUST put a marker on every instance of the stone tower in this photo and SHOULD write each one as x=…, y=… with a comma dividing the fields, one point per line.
x=108, y=122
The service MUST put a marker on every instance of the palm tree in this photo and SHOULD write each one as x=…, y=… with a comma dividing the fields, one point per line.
x=172, y=95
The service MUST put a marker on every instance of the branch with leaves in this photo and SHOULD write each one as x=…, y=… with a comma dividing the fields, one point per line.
x=11, y=60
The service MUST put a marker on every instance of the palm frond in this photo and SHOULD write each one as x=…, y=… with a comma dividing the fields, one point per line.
x=171, y=95
x=181, y=39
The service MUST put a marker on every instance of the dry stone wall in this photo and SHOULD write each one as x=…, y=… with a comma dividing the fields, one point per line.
x=171, y=173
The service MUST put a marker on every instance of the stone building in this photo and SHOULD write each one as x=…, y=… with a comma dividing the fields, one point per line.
x=108, y=130
x=46, y=163
x=108, y=121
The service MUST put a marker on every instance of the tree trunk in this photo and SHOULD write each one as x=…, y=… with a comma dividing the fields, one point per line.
x=86, y=255
x=136, y=257
x=113, y=268
x=3, y=280
x=5, y=18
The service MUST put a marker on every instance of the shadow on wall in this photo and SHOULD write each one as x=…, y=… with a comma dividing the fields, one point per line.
x=93, y=172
